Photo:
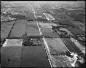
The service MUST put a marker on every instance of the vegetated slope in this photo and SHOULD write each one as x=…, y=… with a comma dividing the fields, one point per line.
x=70, y=13
x=17, y=10
x=77, y=14
x=74, y=19
x=70, y=17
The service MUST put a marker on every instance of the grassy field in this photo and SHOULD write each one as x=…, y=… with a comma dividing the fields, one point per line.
x=13, y=54
x=32, y=29
x=18, y=29
x=23, y=56
x=5, y=29
x=34, y=57
x=48, y=33
x=56, y=46
x=61, y=61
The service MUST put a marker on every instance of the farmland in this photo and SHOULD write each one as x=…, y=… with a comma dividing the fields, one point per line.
x=35, y=34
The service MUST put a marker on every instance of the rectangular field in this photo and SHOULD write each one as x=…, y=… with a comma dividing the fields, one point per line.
x=32, y=29
x=34, y=56
x=48, y=33
x=11, y=56
x=18, y=29
x=14, y=54
x=5, y=29
x=56, y=45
